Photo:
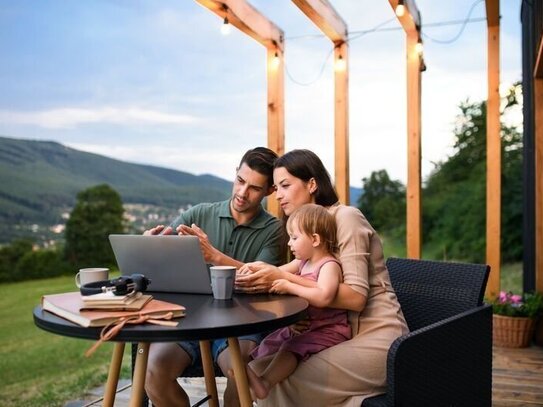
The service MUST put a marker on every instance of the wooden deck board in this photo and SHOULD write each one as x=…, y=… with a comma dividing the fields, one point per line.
x=517, y=377
x=517, y=380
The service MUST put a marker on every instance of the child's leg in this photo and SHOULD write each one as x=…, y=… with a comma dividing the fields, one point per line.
x=260, y=365
x=281, y=366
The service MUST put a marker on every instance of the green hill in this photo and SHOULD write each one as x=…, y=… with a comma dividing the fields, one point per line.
x=40, y=180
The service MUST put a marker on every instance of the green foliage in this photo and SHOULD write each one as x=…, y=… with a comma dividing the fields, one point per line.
x=97, y=213
x=528, y=305
x=383, y=203
x=41, y=264
x=454, y=195
x=22, y=261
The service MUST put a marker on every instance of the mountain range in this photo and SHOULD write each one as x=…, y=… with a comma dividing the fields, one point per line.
x=39, y=181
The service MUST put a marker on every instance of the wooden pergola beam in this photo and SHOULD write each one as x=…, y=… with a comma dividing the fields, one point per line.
x=411, y=21
x=250, y=21
x=493, y=150
x=325, y=17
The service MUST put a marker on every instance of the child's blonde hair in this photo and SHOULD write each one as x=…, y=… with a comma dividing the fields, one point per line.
x=312, y=218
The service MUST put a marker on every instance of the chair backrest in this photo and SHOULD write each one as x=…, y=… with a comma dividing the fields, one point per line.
x=430, y=291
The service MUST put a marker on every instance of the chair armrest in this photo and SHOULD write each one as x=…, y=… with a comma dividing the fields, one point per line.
x=445, y=363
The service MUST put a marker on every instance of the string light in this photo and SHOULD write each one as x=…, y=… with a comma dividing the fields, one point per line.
x=419, y=47
x=340, y=64
x=275, y=61
x=225, y=27
x=400, y=9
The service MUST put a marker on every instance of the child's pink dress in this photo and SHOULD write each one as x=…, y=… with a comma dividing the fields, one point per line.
x=328, y=327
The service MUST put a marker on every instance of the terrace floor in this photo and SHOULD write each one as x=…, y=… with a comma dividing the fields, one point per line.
x=517, y=381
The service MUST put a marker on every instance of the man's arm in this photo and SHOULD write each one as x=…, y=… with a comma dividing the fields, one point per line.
x=211, y=254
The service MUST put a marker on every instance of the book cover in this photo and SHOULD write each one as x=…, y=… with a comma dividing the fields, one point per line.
x=69, y=306
x=111, y=298
x=134, y=304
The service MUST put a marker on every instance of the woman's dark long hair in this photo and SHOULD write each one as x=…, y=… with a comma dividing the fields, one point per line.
x=305, y=164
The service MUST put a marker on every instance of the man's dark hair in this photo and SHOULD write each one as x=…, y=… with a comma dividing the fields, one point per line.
x=305, y=164
x=261, y=160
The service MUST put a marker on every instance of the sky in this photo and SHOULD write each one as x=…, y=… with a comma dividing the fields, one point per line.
x=155, y=82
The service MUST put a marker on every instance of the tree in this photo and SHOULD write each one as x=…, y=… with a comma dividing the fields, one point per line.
x=98, y=212
x=454, y=202
x=10, y=255
x=383, y=203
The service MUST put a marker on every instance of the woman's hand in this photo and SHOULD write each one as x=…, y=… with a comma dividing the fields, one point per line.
x=257, y=277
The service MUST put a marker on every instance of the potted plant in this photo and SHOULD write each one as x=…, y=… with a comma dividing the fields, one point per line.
x=514, y=318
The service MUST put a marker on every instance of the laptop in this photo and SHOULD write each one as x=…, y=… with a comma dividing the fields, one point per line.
x=173, y=263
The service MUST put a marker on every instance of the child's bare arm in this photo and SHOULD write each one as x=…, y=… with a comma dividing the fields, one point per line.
x=320, y=296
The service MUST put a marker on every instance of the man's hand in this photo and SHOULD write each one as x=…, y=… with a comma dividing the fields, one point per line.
x=211, y=255
x=157, y=230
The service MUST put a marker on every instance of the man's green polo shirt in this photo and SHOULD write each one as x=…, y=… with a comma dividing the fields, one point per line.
x=263, y=238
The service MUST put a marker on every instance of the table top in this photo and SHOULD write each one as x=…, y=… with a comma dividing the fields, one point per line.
x=206, y=318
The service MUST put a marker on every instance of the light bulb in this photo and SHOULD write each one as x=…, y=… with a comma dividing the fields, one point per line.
x=419, y=47
x=400, y=9
x=225, y=27
x=275, y=61
x=340, y=64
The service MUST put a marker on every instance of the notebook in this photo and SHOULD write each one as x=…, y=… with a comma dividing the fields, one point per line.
x=173, y=263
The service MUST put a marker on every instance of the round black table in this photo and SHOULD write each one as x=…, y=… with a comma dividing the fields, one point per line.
x=205, y=319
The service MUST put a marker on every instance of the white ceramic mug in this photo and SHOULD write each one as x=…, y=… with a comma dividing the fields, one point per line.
x=222, y=281
x=90, y=275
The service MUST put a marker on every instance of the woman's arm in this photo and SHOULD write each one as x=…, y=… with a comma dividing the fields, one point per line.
x=320, y=295
x=348, y=299
x=354, y=240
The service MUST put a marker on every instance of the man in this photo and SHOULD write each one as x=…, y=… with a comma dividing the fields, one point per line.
x=231, y=232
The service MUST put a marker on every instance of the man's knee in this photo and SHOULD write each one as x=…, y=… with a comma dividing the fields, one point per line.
x=166, y=361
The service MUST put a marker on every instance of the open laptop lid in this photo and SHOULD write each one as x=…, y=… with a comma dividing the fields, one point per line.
x=173, y=263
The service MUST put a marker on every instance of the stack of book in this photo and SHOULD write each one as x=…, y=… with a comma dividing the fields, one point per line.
x=109, y=301
x=100, y=312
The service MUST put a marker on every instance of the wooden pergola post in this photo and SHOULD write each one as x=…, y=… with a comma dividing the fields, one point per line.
x=410, y=22
x=493, y=149
x=538, y=146
x=250, y=21
x=325, y=17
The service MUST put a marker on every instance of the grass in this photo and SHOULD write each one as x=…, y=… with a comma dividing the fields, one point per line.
x=38, y=368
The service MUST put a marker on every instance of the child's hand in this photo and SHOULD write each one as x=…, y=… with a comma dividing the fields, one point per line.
x=280, y=286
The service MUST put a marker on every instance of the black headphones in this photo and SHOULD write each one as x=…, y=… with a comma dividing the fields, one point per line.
x=119, y=286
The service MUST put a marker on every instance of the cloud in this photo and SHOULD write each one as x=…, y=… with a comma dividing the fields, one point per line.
x=67, y=118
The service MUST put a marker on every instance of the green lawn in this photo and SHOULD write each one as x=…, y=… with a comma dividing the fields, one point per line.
x=38, y=368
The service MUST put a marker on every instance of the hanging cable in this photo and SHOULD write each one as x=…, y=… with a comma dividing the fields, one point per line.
x=464, y=23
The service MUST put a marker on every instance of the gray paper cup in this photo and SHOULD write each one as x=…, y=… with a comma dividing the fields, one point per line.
x=222, y=281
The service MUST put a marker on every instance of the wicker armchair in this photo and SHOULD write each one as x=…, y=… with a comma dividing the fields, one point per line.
x=446, y=359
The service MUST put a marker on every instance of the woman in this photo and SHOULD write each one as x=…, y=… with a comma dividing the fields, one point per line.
x=351, y=371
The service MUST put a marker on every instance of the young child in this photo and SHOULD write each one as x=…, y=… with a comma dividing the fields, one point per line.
x=312, y=232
